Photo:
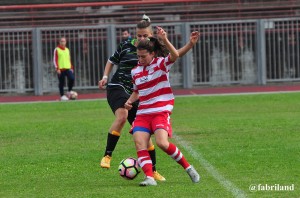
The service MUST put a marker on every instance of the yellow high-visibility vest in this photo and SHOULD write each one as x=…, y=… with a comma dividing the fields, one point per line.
x=64, y=58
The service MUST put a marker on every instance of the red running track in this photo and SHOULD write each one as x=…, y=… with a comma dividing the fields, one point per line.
x=193, y=91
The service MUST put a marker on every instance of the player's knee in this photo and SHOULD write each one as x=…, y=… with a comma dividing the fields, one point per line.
x=140, y=145
x=121, y=119
x=162, y=144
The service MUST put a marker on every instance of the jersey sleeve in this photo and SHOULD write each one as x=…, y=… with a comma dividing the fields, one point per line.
x=134, y=87
x=116, y=57
x=166, y=64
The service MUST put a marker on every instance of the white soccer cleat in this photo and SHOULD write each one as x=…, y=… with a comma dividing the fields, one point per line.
x=64, y=98
x=191, y=171
x=148, y=182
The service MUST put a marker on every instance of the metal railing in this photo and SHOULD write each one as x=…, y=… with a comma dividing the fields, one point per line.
x=229, y=52
x=16, y=71
x=226, y=53
x=282, y=49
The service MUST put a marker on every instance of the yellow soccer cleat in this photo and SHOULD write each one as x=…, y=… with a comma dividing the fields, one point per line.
x=105, y=162
x=158, y=177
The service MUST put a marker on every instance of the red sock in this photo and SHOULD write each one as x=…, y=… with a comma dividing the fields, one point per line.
x=145, y=162
x=175, y=153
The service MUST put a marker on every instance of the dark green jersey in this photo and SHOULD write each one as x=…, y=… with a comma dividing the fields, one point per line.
x=125, y=58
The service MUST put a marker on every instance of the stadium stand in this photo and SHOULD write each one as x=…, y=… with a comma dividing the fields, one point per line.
x=30, y=2
x=76, y=12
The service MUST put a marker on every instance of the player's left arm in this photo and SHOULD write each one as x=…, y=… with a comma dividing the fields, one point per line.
x=194, y=37
x=161, y=33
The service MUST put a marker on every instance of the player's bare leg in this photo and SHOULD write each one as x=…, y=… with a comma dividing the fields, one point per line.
x=157, y=176
x=114, y=135
x=172, y=150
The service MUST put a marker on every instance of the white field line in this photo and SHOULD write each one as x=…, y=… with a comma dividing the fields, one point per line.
x=228, y=185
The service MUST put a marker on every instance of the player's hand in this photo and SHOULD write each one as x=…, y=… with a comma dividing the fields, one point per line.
x=194, y=37
x=102, y=83
x=161, y=33
x=128, y=105
x=58, y=72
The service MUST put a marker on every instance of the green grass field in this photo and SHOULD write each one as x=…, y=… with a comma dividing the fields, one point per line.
x=235, y=142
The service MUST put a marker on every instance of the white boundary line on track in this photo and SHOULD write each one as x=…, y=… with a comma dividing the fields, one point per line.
x=52, y=101
x=185, y=95
x=237, y=94
x=228, y=185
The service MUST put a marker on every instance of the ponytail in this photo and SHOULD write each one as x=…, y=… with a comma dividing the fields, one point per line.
x=159, y=47
x=153, y=45
x=145, y=23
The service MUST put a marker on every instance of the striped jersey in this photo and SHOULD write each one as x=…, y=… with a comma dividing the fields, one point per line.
x=152, y=84
x=125, y=58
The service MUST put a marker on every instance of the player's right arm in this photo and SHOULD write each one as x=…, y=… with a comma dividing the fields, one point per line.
x=113, y=60
x=55, y=61
x=108, y=67
x=133, y=97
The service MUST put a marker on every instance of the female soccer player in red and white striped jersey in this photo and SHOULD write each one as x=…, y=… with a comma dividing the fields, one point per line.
x=119, y=88
x=152, y=87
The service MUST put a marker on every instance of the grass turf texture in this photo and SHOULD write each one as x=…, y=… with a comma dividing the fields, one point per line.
x=53, y=149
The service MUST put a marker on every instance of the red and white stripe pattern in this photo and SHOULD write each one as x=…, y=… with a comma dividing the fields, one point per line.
x=153, y=86
x=176, y=154
x=145, y=162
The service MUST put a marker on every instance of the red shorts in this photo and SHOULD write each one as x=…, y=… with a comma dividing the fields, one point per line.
x=150, y=123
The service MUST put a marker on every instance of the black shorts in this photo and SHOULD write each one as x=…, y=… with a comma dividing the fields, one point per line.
x=117, y=97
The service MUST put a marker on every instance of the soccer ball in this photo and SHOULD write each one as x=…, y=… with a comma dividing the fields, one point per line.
x=73, y=95
x=129, y=168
